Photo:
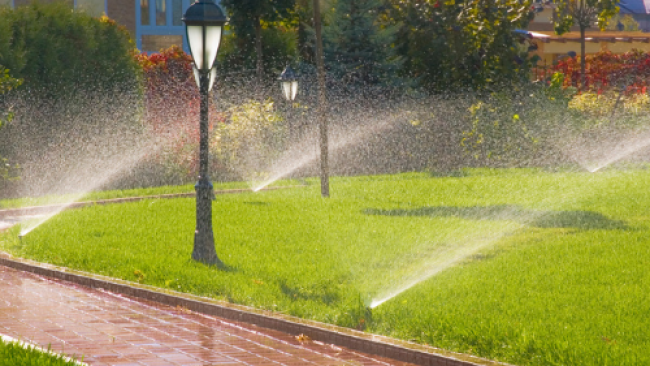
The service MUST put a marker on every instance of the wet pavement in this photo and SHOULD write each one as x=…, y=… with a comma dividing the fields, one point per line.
x=8, y=221
x=111, y=329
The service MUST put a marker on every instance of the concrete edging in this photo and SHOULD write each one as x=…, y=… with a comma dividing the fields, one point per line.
x=33, y=210
x=351, y=339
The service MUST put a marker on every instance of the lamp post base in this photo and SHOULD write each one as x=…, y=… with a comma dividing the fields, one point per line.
x=204, y=250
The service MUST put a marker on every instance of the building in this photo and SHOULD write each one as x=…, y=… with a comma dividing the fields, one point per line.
x=154, y=24
x=630, y=29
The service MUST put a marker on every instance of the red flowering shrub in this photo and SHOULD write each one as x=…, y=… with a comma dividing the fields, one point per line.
x=171, y=109
x=607, y=70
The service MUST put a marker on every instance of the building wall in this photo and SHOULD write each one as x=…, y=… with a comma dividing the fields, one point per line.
x=123, y=12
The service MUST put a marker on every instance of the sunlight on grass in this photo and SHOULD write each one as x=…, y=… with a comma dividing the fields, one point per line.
x=523, y=266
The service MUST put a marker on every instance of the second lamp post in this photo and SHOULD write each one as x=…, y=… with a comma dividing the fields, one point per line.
x=204, y=21
x=289, y=82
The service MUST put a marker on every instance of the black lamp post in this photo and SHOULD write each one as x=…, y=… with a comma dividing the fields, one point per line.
x=204, y=21
x=289, y=82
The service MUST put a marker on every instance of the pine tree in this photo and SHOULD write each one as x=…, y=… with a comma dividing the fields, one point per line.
x=359, y=47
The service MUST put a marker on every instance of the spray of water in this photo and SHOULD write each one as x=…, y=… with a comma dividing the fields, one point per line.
x=306, y=151
x=447, y=256
x=92, y=175
x=441, y=259
x=93, y=141
x=598, y=148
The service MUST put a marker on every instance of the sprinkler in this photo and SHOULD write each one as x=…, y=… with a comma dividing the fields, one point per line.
x=20, y=239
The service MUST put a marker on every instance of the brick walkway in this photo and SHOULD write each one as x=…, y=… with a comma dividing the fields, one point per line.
x=110, y=329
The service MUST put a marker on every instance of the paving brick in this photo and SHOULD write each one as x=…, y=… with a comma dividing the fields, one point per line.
x=114, y=330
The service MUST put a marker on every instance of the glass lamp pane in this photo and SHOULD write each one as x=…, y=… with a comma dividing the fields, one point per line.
x=294, y=89
x=195, y=39
x=196, y=76
x=213, y=77
x=286, y=89
x=212, y=39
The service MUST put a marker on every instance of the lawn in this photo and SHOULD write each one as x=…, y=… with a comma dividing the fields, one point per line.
x=523, y=266
x=14, y=354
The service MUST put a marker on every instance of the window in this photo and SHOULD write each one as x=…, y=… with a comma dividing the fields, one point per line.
x=161, y=12
x=94, y=8
x=177, y=12
x=144, y=12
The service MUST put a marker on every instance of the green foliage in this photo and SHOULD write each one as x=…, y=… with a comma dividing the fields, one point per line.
x=279, y=45
x=359, y=44
x=554, y=268
x=60, y=53
x=627, y=21
x=7, y=84
x=592, y=109
x=463, y=43
x=252, y=134
x=510, y=127
x=267, y=19
x=13, y=354
x=583, y=13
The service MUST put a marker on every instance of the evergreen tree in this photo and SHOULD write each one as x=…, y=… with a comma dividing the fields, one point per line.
x=359, y=46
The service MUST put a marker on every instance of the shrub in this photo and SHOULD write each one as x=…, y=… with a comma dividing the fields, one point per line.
x=607, y=70
x=61, y=53
x=7, y=84
x=509, y=128
x=8, y=171
x=252, y=135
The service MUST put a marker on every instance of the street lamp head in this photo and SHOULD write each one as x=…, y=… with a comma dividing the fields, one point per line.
x=197, y=77
x=289, y=81
x=204, y=21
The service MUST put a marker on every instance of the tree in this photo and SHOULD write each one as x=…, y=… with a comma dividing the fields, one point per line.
x=459, y=44
x=60, y=53
x=583, y=14
x=360, y=44
x=7, y=84
x=248, y=17
x=625, y=23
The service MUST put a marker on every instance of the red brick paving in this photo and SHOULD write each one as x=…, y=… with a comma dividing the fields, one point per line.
x=110, y=329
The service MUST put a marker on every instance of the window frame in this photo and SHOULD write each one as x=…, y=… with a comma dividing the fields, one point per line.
x=159, y=30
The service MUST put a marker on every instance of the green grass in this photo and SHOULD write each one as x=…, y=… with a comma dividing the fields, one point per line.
x=532, y=267
x=14, y=354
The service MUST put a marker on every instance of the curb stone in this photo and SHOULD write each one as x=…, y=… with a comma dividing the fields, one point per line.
x=35, y=210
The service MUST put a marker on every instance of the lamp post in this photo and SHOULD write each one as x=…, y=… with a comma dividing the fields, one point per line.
x=204, y=21
x=289, y=82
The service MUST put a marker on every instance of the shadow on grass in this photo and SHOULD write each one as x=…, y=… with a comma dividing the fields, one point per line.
x=317, y=293
x=584, y=220
x=221, y=266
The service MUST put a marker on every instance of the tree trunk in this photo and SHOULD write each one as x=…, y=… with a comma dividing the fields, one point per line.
x=583, y=76
x=258, y=50
x=322, y=104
